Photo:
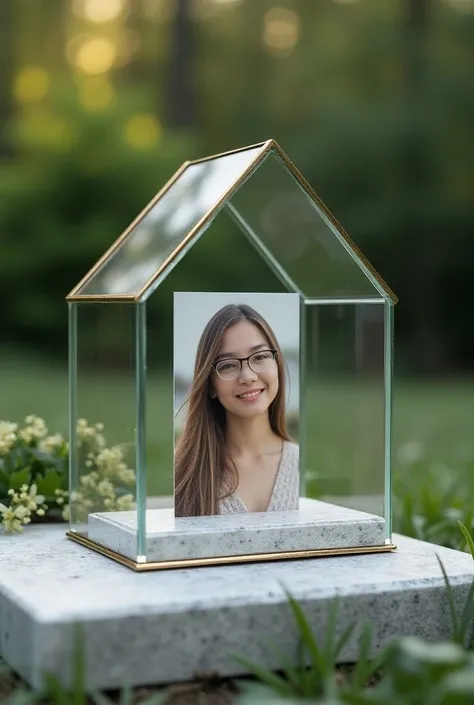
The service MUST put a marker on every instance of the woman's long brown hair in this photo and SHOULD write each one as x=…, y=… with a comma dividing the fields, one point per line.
x=204, y=471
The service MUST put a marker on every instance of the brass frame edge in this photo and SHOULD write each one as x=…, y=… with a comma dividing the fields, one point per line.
x=206, y=217
x=101, y=298
x=230, y=151
x=266, y=147
x=73, y=295
x=227, y=560
x=351, y=244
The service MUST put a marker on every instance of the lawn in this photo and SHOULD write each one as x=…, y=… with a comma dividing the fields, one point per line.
x=432, y=430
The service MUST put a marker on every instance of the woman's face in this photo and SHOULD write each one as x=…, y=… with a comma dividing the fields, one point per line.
x=250, y=394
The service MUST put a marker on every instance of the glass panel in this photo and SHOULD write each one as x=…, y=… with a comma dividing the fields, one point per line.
x=161, y=231
x=344, y=404
x=388, y=361
x=104, y=418
x=278, y=212
x=222, y=260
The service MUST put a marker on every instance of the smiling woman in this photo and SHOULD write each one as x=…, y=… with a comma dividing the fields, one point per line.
x=235, y=453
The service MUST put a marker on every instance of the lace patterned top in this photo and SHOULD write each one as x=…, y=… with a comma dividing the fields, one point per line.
x=285, y=493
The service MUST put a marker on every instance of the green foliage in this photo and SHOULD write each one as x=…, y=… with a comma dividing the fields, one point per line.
x=66, y=200
x=56, y=693
x=408, y=671
x=314, y=674
x=396, y=168
x=34, y=476
x=432, y=500
x=468, y=537
x=462, y=625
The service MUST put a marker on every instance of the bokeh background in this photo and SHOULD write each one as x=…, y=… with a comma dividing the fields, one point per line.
x=102, y=100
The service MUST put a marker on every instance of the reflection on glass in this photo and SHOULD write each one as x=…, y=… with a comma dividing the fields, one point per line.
x=222, y=258
x=344, y=404
x=104, y=451
x=141, y=254
x=275, y=209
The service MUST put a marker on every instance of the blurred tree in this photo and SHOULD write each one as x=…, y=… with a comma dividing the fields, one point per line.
x=6, y=75
x=422, y=247
x=372, y=101
x=181, y=81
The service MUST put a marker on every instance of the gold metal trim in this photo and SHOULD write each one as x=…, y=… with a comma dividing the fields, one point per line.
x=73, y=295
x=103, y=298
x=267, y=146
x=227, y=560
x=358, y=253
x=230, y=151
x=206, y=217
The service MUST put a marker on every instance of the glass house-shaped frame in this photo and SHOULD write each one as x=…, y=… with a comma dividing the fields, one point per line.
x=119, y=407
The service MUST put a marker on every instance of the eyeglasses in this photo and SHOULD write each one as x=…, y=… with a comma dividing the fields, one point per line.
x=261, y=361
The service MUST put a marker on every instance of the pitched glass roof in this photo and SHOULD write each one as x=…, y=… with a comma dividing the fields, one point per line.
x=273, y=206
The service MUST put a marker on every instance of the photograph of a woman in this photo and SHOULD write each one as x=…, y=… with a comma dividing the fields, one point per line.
x=234, y=453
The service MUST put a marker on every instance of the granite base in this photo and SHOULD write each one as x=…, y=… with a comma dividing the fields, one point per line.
x=162, y=627
x=315, y=525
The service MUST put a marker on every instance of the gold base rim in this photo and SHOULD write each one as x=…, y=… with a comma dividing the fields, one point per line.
x=226, y=560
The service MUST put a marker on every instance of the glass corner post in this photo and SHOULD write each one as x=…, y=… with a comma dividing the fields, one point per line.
x=388, y=411
x=72, y=383
x=140, y=426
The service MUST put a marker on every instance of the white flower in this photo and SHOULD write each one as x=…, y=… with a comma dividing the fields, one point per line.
x=50, y=443
x=34, y=430
x=124, y=503
x=109, y=458
x=90, y=480
x=35, y=499
x=13, y=518
x=106, y=489
x=90, y=434
x=7, y=436
x=61, y=496
x=126, y=476
x=28, y=497
x=7, y=428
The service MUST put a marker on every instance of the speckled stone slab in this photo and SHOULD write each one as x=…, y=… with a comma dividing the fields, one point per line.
x=160, y=627
x=315, y=525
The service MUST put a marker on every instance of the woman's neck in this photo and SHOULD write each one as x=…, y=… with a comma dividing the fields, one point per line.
x=253, y=436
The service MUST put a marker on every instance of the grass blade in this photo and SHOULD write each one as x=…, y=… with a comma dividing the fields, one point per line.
x=307, y=636
x=55, y=690
x=468, y=537
x=271, y=679
x=359, y=675
x=330, y=632
x=366, y=667
x=126, y=695
x=79, y=678
x=451, y=603
x=295, y=675
x=341, y=642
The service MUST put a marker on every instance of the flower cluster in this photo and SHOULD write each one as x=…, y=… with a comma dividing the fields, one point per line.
x=34, y=478
x=104, y=479
x=24, y=504
x=7, y=436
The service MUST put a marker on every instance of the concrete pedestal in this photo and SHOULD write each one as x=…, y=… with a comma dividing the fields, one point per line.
x=159, y=627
